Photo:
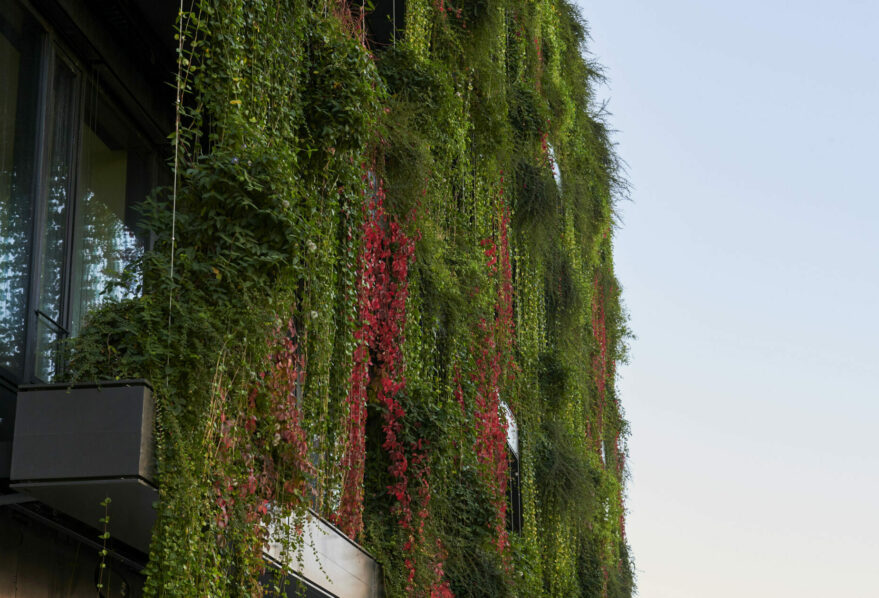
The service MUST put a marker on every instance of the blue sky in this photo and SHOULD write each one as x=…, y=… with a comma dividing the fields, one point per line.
x=749, y=258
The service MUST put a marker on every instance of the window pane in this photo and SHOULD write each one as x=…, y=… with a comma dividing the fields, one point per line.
x=58, y=183
x=57, y=193
x=19, y=74
x=113, y=167
x=47, y=363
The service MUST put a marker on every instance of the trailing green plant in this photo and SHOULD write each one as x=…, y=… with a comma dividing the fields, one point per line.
x=104, y=537
x=366, y=253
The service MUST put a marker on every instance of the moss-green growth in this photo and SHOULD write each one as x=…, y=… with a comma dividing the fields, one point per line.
x=287, y=122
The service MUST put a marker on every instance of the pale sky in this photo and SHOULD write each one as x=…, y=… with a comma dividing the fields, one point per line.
x=749, y=259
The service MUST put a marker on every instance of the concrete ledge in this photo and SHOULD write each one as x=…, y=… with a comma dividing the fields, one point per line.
x=333, y=562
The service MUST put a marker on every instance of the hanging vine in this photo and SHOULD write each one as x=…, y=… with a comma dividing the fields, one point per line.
x=344, y=337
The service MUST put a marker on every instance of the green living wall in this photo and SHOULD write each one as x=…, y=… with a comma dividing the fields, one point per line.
x=368, y=256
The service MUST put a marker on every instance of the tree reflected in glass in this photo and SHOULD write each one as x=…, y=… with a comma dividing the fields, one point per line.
x=19, y=74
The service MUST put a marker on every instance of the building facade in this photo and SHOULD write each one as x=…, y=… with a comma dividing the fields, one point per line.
x=307, y=298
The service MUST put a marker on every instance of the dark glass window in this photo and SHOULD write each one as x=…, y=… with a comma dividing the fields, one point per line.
x=114, y=165
x=58, y=177
x=20, y=42
x=72, y=169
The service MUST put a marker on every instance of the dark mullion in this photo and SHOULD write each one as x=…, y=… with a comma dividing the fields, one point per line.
x=74, y=153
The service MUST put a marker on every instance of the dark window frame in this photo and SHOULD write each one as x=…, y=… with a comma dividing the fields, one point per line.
x=87, y=80
x=514, y=493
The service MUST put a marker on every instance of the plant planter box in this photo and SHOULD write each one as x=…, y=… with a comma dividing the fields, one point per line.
x=74, y=446
x=331, y=564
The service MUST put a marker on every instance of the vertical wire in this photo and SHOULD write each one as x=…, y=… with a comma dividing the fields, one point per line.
x=177, y=107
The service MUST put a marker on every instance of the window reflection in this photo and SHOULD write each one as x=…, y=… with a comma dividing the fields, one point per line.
x=19, y=71
x=105, y=243
x=55, y=214
x=72, y=169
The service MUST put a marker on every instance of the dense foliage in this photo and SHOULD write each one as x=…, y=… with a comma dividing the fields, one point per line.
x=368, y=253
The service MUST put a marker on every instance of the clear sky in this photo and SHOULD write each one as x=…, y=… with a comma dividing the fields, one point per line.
x=749, y=259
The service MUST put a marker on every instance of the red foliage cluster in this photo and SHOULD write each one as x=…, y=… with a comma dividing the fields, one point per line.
x=263, y=454
x=352, y=18
x=378, y=368
x=519, y=30
x=381, y=299
x=444, y=10
x=619, y=453
x=603, y=368
x=494, y=369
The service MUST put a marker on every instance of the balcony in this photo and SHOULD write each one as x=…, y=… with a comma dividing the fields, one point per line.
x=74, y=446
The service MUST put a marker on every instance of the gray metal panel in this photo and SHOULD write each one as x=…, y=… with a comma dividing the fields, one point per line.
x=131, y=508
x=74, y=446
x=7, y=425
x=83, y=432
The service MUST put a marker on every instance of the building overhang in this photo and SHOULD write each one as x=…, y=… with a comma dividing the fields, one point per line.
x=75, y=446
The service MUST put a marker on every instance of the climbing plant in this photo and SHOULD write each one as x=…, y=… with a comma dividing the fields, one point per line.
x=373, y=250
